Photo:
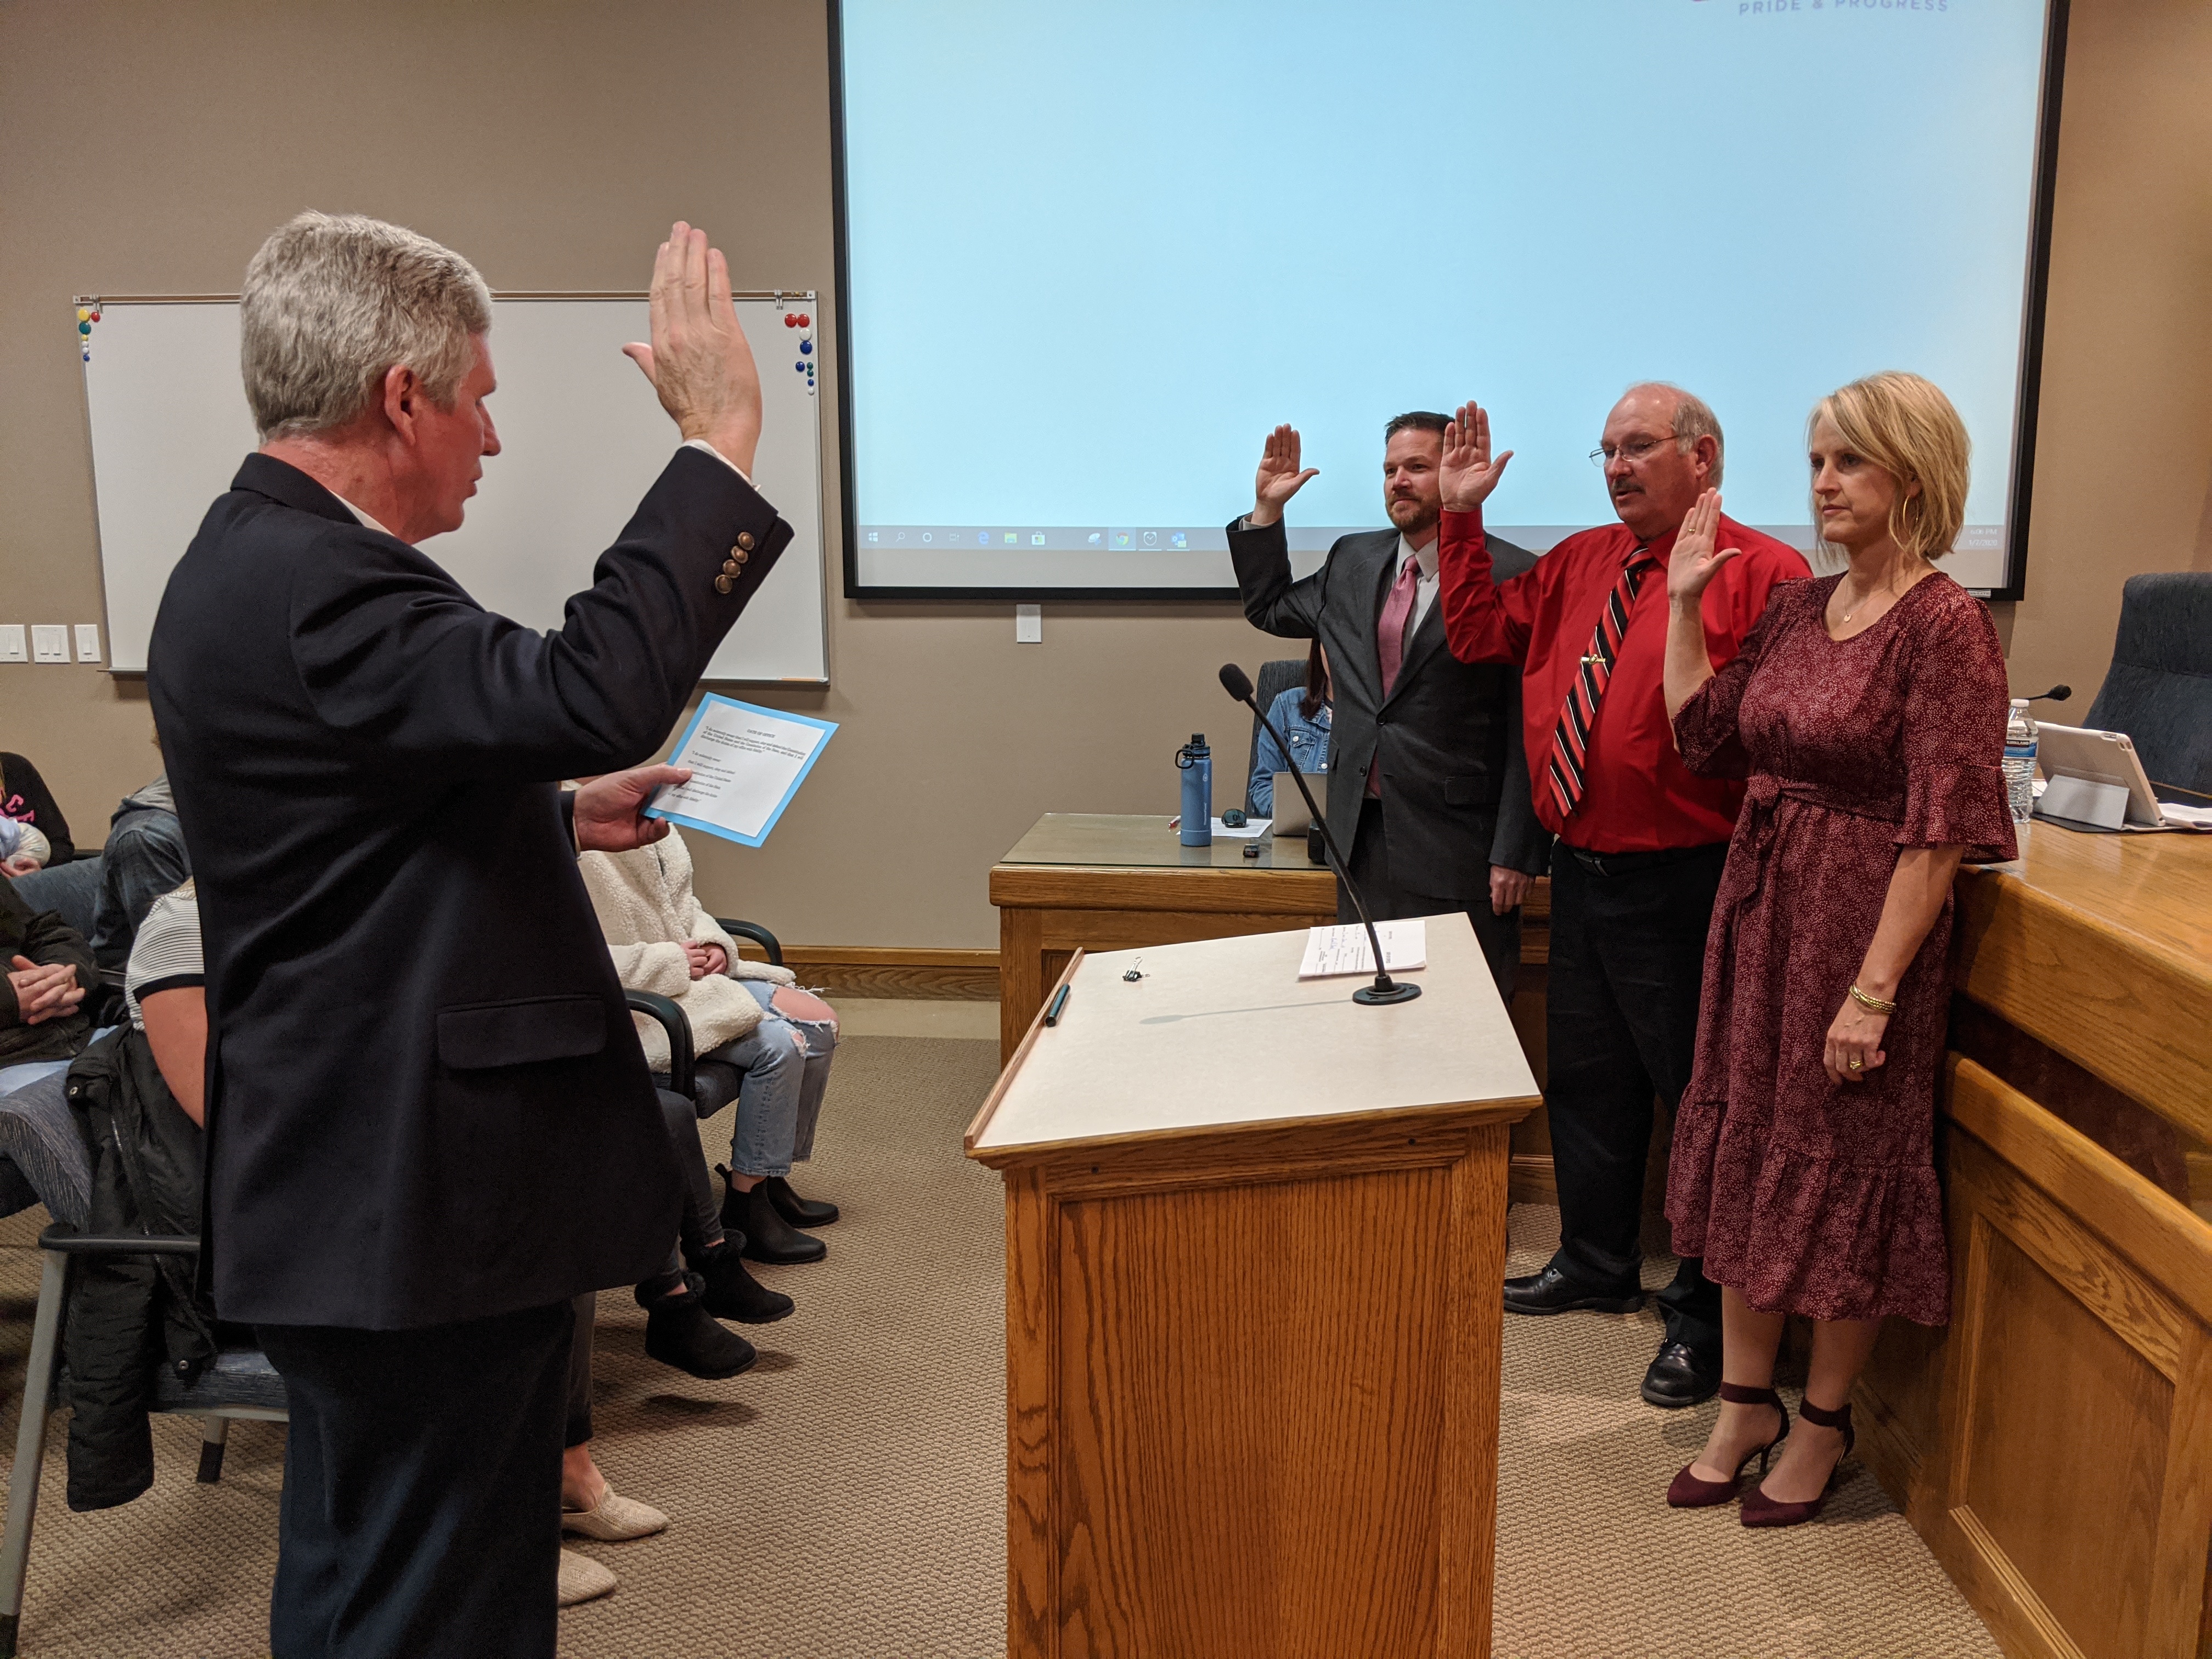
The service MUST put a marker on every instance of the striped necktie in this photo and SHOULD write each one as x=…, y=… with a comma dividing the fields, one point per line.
x=1579, y=719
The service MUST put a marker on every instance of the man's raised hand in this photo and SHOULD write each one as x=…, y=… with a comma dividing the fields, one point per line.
x=700, y=361
x=1693, y=564
x=1280, y=477
x=1467, y=474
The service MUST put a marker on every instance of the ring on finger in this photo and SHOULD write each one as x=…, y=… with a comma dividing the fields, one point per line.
x=1855, y=1065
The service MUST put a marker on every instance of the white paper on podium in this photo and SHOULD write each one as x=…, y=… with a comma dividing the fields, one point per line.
x=1334, y=951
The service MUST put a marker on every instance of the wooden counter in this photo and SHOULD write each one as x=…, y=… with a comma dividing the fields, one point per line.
x=2054, y=1443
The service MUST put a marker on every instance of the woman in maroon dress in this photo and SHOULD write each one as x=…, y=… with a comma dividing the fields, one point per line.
x=1869, y=711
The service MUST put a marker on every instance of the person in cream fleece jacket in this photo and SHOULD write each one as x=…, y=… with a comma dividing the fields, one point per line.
x=759, y=1039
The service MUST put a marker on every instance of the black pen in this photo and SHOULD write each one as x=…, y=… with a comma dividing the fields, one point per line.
x=1059, y=1002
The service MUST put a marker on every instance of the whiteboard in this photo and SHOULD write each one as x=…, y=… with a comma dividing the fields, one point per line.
x=582, y=437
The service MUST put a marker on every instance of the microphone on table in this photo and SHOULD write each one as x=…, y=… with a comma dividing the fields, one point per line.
x=2057, y=693
x=1385, y=989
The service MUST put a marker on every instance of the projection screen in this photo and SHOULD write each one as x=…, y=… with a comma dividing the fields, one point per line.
x=1090, y=253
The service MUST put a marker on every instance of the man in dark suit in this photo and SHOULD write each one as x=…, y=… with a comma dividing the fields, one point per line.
x=1428, y=789
x=429, y=1121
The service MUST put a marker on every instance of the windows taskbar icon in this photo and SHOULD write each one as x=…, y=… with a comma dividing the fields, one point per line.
x=1115, y=540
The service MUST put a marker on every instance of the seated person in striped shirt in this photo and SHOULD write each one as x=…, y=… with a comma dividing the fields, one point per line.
x=164, y=988
x=1303, y=712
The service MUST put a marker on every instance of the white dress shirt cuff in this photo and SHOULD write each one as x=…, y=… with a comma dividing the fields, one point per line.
x=700, y=443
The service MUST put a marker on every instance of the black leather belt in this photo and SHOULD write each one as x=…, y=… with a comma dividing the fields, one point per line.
x=1627, y=864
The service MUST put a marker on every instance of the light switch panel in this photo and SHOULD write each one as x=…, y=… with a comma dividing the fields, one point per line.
x=1028, y=624
x=87, y=641
x=11, y=642
x=49, y=642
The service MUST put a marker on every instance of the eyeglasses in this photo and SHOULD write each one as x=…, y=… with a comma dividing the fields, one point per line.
x=1635, y=450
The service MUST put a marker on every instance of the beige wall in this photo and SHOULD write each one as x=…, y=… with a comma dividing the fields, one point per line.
x=2123, y=464
x=148, y=148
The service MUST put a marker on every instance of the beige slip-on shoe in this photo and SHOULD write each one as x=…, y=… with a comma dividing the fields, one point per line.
x=614, y=1519
x=582, y=1579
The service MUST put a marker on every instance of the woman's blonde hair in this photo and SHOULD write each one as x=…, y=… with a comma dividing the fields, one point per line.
x=1905, y=426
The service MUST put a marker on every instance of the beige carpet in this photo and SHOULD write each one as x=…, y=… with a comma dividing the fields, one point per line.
x=843, y=1499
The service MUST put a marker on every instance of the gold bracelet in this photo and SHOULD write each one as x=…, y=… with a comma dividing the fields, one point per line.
x=1875, y=1003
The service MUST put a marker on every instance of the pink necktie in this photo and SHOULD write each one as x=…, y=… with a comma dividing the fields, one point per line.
x=1390, y=647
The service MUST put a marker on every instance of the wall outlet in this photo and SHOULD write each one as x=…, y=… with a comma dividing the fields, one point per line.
x=11, y=642
x=87, y=641
x=49, y=642
x=1028, y=624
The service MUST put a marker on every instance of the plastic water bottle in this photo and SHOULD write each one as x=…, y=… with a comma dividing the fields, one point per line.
x=1195, y=762
x=2020, y=768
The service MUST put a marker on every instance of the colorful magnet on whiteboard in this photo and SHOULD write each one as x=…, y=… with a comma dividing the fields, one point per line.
x=806, y=346
x=805, y=321
x=84, y=328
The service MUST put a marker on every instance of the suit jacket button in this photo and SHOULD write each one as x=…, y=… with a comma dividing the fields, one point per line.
x=723, y=584
x=730, y=567
x=745, y=541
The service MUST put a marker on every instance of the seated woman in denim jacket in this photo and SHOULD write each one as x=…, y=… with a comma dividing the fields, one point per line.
x=1303, y=712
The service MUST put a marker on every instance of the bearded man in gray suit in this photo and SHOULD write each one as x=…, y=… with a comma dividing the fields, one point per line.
x=1428, y=786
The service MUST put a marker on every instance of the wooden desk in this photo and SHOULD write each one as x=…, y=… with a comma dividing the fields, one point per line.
x=2054, y=1444
x=1227, y=1434
x=1089, y=881
x=1099, y=882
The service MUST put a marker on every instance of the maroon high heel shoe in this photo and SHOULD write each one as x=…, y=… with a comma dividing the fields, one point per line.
x=1761, y=1511
x=1691, y=1491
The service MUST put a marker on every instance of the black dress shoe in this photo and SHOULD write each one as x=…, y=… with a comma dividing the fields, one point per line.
x=799, y=1211
x=680, y=1332
x=1681, y=1376
x=768, y=1236
x=1551, y=1291
x=734, y=1293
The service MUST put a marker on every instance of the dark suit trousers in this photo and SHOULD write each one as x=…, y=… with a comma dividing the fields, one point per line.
x=1389, y=898
x=422, y=1508
x=1628, y=955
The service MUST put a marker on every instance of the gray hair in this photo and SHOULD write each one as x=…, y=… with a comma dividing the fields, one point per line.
x=1693, y=419
x=333, y=301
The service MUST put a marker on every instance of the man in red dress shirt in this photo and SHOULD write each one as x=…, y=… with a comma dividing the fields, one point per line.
x=1641, y=841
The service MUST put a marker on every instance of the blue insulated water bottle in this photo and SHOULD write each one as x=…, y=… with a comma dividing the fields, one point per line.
x=1195, y=762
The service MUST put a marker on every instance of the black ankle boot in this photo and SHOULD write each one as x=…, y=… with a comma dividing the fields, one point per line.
x=734, y=1293
x=680, y=1332
x=769, y=1237
x=799, y=1211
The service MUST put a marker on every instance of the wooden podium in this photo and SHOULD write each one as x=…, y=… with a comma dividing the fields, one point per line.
x=1255, y=1236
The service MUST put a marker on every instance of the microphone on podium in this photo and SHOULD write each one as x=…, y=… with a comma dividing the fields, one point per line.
x=1238, y=685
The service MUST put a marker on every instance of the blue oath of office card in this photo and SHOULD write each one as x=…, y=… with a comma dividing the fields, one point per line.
x=794, y=743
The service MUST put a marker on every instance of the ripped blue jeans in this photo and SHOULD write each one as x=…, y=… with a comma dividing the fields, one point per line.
x=778, y=1072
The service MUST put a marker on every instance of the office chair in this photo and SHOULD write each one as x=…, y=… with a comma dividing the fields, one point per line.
x=239, y=1383
x=684, y=1079
x=2159, y=688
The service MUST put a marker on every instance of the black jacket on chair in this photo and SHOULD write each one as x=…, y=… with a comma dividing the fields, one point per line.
x=1456, y=795
x=129, y=1313
x=426, y=1101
